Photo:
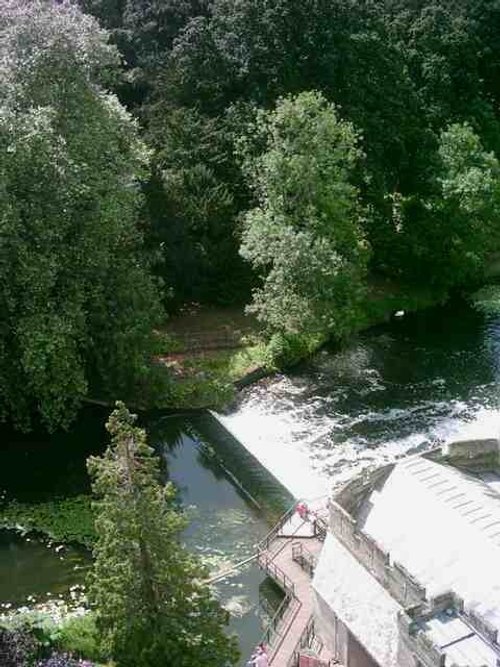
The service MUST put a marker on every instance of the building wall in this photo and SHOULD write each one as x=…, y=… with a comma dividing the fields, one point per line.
x=357, y=656
x=336, y=636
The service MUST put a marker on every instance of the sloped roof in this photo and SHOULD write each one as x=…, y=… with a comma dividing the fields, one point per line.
x=358, y=600
x=463, y=647
x=443, y=526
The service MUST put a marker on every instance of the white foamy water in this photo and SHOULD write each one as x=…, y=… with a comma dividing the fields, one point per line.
x=300, y=446
x=402, y=388
x=309, y=471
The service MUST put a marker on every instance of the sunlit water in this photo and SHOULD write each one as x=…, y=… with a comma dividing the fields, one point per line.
x=399, y=388
x=402, y=387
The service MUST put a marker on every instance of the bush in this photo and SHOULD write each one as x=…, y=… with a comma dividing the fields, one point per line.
x=285, y=350
x=62, y=519
x=78, y=636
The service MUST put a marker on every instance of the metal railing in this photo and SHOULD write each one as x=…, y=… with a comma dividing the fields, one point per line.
x=273, y=629
x=266, y=541
x=304, y=641
x=266, y=563
x=320, y=528
x=302, y=556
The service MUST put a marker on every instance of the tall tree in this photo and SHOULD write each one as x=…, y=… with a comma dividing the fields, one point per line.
x=152, y=607
x=305, y=234
x=78, y=305
x=450, y=233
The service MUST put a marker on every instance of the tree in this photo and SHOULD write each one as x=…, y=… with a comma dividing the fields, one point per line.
x=78, y=304
x=305, y=234
x=194, y=204
x=152, y=607
x=451, y=232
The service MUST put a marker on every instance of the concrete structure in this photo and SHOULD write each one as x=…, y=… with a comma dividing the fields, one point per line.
x=289, y=556
x=409, y=574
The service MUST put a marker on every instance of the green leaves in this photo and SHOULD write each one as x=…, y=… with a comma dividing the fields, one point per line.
x=151, y=606
x=77, y=302
x=305, y=234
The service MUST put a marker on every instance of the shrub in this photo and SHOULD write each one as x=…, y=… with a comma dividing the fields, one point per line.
x=17, y=647
x=285, y=350
x=78, y=636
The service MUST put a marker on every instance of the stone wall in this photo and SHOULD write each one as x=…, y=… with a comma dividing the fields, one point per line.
x=413, y=641
x=482, y=626
x=393, y=576
x=352, y=494
x=473, y=455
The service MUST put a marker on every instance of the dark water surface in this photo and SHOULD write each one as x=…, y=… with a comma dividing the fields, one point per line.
x=398, y=388
x=226, y=522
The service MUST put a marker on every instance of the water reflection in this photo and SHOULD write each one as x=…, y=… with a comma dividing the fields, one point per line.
x=224, y=528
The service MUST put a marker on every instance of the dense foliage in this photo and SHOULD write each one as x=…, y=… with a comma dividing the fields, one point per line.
x=77, y=303
x=152, y=607
x=305, y=233
x=416, y=83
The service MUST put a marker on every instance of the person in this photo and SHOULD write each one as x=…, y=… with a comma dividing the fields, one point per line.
x=302, y=510
x=259, y=658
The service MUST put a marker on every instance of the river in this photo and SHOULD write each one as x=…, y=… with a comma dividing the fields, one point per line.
x=398, y=388
x=226, y=519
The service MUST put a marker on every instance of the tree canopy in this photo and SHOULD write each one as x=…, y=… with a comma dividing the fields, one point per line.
x=94, y=200
x=78, y=304
x=305, y=233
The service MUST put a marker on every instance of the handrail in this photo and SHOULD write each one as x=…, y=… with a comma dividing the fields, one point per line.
x=320, y=528
x=277, y=617
x=271, y=568
x=281, y=635
x=302, y=556
x=303, y=641
x=267, y=539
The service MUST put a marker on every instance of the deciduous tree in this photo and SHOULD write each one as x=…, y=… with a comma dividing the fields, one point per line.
x=77, y=302
x=305, y=235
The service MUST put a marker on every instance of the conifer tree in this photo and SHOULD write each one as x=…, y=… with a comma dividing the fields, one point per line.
x=151, y=604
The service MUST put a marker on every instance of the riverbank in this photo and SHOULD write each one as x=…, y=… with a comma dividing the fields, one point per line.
x=217, y=352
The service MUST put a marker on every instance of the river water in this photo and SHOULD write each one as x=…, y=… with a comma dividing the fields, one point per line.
x=226, y=520
x=398, y=388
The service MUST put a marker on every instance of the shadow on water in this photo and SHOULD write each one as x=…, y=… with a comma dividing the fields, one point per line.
x=228, y=497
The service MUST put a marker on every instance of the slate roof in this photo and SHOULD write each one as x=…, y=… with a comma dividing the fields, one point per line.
x=358, y=600
x=443, y=526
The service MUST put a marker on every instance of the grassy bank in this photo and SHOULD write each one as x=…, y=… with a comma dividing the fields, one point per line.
x=218, y=350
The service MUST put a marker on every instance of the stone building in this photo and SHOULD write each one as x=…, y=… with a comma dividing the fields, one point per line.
x=409, y=574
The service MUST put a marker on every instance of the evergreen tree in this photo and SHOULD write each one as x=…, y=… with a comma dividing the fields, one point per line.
x=152, y=607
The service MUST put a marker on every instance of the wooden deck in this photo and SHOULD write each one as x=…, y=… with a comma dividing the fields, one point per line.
x=289, y=556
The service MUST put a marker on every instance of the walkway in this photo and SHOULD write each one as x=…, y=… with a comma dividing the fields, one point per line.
x=289, y=555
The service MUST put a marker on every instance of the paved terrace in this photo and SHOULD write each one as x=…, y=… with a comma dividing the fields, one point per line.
x=289, y=556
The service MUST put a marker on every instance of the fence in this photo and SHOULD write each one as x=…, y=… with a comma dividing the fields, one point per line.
x=266, y=541
x=266, y=563
x=302, y=556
